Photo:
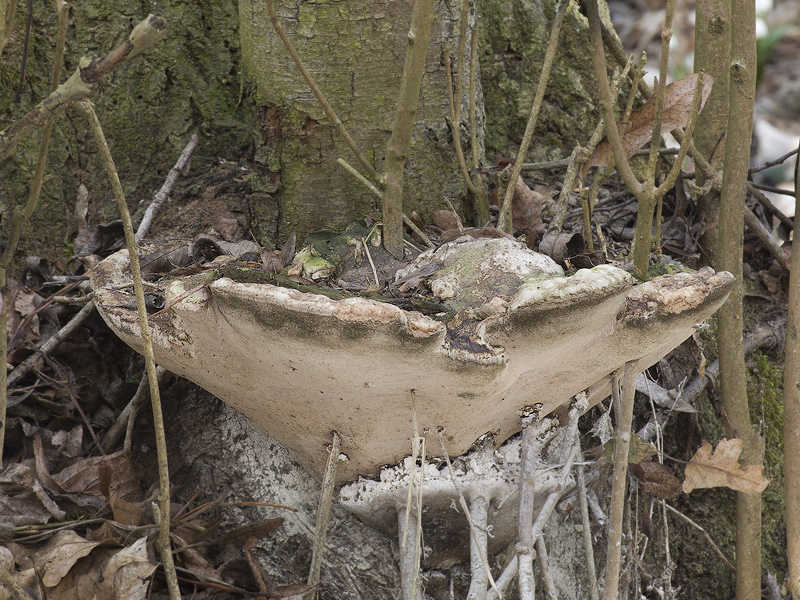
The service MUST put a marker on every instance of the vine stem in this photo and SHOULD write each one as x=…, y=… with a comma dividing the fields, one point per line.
x=505, y=220
x=163, y=513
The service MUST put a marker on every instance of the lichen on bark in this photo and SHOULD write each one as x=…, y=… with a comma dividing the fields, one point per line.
x=188, y=83
x=355, y=52
x=513, y=37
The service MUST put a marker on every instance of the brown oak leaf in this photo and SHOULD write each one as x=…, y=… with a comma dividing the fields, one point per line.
x=721, y=468
x=677, y=107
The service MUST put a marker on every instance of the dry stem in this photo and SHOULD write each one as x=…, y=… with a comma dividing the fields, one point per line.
x=505, y=221
x=455, y=117
x=647, y=193
x=512, y=568
x=791, y=416
x=705, y=533
x=163, y=194
x=587, y=528
x=481, y=207
x=162, y=542
x=366, y=183
x=527, y=473
x=549, y=583
x=324, y=511
x=19, y=217
x=402, y=126
x=620, y=481
x=477, y=516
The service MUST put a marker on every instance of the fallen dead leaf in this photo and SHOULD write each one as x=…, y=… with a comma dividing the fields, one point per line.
x=639, y=131
x=526, y=208
x=60, y=554
x=657, y=479
x=125, y=575
x=722, y=469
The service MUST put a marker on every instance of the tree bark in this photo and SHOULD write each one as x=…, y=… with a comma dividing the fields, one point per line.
x=355, y=51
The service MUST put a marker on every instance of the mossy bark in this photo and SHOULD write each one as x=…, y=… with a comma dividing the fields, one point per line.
x=355, y=52
x=193, y=82
x=513, y=38
x=188, y=83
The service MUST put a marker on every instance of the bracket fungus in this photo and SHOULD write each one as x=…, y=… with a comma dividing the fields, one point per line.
x=301, y=365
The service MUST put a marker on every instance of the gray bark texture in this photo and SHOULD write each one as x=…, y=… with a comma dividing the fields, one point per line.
x=223, y=456
x=355, y=52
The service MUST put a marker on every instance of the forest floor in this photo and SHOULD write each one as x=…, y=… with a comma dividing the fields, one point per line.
x=57, y=484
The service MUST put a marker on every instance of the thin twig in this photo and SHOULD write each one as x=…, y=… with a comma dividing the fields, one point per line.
x=363, y=180
x=478, y=565
x=769, y=242
x=25, y=366
x=324, y=511
x=505, y=219
x=705, y=533
x=455, y=115
x=587, y=529
x=371, y=263
x=564, y=162
x=126, y=418
x=425, y=239
x=575, y=163
x=163, y=194
x=771, y=163
x=767, y=203
x=541, y=556
x=477, y=531
x=612, y=131
x=615, y=49
x=773, y=189
x=408, y=519
x=20, y=216
x=162, y=519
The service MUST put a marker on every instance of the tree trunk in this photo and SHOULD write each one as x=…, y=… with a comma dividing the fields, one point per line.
x=513, y=38
x=355, y=52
